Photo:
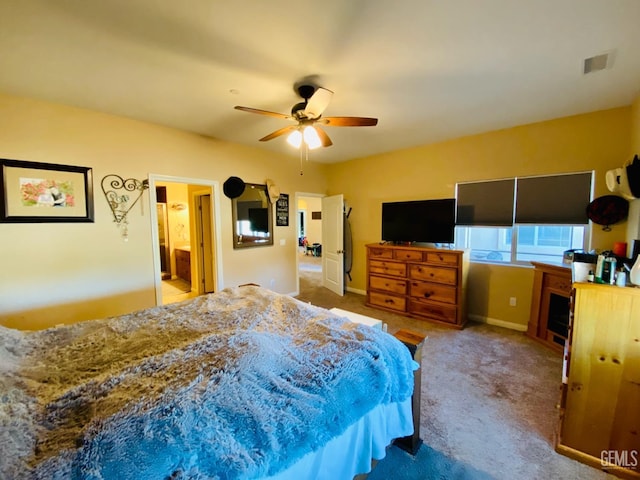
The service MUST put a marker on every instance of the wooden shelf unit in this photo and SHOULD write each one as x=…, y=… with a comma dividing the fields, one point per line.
x=549, y=318
x=424, y=283
x=600, y=399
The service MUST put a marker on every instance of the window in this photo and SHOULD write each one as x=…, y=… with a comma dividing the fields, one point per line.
x=526, y=219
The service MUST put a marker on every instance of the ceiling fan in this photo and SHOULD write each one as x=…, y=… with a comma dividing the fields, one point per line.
x=308, y=114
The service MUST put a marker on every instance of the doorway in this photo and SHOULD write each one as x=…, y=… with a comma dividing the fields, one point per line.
x=309, y=229
x=185, y=222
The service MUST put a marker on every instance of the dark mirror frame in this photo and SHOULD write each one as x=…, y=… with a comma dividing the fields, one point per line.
x=255, y=202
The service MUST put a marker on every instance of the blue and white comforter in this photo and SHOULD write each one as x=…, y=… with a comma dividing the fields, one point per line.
x=238, y=384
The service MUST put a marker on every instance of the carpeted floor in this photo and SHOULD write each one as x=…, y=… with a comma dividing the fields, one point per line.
x=426, y=464
x=489, y=398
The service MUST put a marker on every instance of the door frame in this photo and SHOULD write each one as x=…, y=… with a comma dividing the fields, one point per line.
x=215, y=224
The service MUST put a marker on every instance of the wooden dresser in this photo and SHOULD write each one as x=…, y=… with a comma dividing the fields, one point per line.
x=425, y=283
x=600, y=402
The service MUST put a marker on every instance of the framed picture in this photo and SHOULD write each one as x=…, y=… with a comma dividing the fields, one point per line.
x=282, y=210
x=34, y=192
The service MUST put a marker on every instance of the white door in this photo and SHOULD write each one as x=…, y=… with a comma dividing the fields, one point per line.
x=333, y=244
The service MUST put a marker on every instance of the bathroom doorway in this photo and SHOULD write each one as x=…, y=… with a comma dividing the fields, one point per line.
x=186, y=249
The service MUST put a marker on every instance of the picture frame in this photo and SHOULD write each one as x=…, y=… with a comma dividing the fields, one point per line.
x=282, y=210
x=36, y=192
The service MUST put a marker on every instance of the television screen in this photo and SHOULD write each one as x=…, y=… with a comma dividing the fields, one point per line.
x=423, y=221
x=259, y=219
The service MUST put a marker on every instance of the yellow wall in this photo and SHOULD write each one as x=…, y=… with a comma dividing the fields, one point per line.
x=54, y=273
x=598, y=141
x=635, y=127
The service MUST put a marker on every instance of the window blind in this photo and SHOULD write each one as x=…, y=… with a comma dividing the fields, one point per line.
x=485, y=203
x=554, y=199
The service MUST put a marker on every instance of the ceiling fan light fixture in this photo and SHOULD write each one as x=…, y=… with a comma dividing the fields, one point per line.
x=309, y=132
x=311, y=137
x=295, y=139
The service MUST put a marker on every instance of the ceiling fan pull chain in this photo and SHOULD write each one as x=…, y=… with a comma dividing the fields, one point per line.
x=301, y=148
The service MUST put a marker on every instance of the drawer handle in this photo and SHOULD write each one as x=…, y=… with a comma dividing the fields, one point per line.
x=388, y=300
x=427, y=294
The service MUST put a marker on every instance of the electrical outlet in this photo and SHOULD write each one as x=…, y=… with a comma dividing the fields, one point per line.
x=512, y=301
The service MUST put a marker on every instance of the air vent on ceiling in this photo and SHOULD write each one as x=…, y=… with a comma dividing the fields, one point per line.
x=599, y=62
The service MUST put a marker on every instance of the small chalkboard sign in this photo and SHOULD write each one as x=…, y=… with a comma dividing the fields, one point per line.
x=282, y=210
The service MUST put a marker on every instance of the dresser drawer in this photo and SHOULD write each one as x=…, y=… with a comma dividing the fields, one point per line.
x=388, y=268
x=442, y=258
x=388, y=301
x=433, y=291
x=558, y=282
x=408, y=255
x=443, y=313
x=433, y=274
x=388, y=285
x=380, y=253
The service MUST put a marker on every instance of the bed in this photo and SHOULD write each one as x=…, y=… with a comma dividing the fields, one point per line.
x=240, y=384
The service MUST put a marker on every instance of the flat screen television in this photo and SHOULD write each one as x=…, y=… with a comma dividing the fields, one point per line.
x=421, y=221
x=259, y=220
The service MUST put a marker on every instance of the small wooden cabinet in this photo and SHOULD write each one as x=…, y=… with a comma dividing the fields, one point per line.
x=183, y=264
x=549, y=318
x=600, y=402
x=425, y=283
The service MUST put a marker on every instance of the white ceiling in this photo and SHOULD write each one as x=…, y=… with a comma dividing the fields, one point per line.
x=429, y=70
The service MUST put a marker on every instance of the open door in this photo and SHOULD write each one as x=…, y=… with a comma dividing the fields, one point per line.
x=333, y=243
x=204, y=243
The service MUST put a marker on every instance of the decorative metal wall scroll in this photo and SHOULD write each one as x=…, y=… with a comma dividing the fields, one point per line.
x=121, y=196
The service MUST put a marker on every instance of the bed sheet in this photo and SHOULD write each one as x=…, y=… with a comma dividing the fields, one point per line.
x=351, y=453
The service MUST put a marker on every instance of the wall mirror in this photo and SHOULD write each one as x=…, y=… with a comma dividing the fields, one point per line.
x=252, y=217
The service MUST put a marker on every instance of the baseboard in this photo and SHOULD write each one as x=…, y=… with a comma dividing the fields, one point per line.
x=498, y=323
x=356, y=290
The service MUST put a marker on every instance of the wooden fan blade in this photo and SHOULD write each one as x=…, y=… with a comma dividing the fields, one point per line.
x=349, y=121
x=278, y=132
x=324, y=138
x=318, y=102
x=263, y=112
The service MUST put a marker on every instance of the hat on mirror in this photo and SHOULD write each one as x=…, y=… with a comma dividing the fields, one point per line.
x=233, y=187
